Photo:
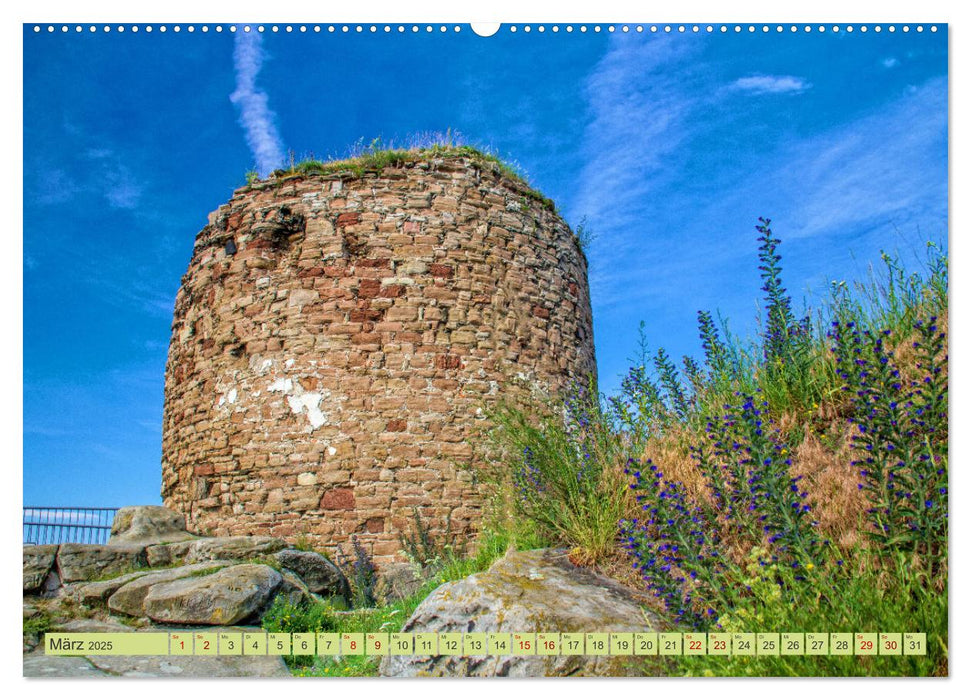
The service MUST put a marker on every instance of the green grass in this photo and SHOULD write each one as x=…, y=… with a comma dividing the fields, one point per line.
x=561, y=469
x=38, y=624
x=327, y=617
x=376, y=158
x=857, y=597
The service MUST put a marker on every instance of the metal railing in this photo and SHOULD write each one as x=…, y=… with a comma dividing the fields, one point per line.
x=43, y=525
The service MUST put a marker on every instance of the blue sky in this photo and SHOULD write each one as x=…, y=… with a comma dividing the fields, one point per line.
x=670, y=146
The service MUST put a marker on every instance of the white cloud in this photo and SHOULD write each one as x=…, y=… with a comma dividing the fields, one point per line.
x=890, y=62
x=771, y=84
x=255, y=115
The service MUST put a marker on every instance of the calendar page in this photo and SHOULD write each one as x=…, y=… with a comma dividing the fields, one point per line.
x=448, y=350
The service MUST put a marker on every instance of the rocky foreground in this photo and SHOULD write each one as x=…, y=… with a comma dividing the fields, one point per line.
x=154, y=576
x=533, y=591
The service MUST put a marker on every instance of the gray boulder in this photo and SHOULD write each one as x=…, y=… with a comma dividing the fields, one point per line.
x=294, y=590
x=84, y=562
x=532, y=591
x=212, y=548
x=148, y=525
x=398, y=581
x=222, y=598
x=130, y=597
x=38, y=562
x=317, y=571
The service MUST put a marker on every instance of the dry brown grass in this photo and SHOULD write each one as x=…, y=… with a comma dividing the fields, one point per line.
x=831, y=484
x=822, y=458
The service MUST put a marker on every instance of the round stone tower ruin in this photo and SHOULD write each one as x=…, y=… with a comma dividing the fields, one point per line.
x=338, y=335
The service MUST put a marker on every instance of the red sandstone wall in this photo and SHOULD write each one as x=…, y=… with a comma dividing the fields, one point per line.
x=324, y=378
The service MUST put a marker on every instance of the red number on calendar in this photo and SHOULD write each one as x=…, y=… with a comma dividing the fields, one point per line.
x=205, y=644
x=353, y=645
x=720, y=646
x=695, y=645
x=866, y=646
x=377, y=644
x=524, y=644
x=892, y=644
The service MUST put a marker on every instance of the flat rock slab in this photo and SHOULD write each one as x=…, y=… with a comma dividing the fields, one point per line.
x=148, y=525
x=130, y=597
x=97, y=593
x=39, y=665
x=85, y=562
x=38, y=562
x=534, y=591
x=209, y=548
x=94, y=625
x=223, y=598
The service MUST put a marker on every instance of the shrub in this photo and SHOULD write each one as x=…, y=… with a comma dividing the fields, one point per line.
x=565, y=466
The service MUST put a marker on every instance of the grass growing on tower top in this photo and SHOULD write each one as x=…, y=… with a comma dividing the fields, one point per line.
x=376, y=156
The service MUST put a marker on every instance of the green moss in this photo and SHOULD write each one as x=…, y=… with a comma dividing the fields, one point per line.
x=38, y=624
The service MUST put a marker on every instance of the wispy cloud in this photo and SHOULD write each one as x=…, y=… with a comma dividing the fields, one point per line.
x=55, y=186
x=670, y=159
x=890, y=62
x=122, y=190
x=885, y=168
x=639, y=95
x=100, y=172
x=255, y=115
x=771, y=84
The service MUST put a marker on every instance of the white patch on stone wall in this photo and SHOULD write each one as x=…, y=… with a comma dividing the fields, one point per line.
x=282, y=384
x=309, y=401
x=228, y=398
x=397, y=280
x=289, y=363
x=259, y=365
x=332, y=451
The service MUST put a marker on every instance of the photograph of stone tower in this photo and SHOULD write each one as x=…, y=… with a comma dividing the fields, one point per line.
x=339, y=335
x=446, y=350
